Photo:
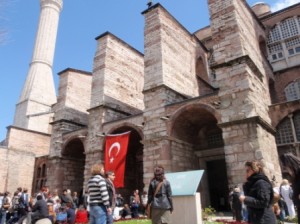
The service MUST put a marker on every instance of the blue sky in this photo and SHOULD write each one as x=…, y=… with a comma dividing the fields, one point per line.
x=80, y=22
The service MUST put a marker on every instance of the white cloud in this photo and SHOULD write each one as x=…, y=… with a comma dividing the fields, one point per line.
x=280, y=4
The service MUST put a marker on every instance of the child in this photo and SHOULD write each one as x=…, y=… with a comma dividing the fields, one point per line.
x=81, y=216
x=70, y=213
x=61, y=216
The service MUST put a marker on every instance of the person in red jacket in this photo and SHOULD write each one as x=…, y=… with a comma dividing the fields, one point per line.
x=81, y=216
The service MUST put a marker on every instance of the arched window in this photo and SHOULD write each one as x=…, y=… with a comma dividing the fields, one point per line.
x=284, y=132
x=292, y=91
x=284, y=39
x=288, y=131
x=44, y=172
x=41, y=176
x=39, y=172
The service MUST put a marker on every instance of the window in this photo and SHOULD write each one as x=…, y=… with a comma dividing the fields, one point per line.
x=284, y=39
x=215, y=140
x=296, y=120
x=289, y=28
x=292, y=91
x=291, y=51
x=293, y=42
x=274, y=35
x=41, y=177
x=275, y=48
x=284, y=132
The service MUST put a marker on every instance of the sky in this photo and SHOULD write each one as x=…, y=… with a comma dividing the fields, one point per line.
x=80, y=22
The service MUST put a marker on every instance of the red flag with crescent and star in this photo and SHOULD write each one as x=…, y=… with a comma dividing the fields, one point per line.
x=115, y=156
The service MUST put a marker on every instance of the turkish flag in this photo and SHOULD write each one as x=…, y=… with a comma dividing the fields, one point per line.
x=115, y=156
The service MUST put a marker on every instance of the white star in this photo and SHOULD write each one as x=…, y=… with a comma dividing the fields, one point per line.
x=111, y=160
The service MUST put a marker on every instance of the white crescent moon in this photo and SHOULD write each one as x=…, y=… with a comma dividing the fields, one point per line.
x=116, y=144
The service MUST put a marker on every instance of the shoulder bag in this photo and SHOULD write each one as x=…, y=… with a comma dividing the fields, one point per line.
x=149, y=205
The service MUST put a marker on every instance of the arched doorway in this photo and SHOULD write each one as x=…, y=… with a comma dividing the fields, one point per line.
x=198, y=136
x=133, y=178
x=74, y=161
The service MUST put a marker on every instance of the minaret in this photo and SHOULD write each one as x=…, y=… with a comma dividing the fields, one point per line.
x=33, y=111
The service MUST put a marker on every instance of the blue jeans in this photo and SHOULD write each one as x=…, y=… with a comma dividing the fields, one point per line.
x=2, y=216
x=98, y=214
x=110, y=218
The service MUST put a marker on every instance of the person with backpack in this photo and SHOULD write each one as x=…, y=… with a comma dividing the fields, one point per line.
x=23, y=202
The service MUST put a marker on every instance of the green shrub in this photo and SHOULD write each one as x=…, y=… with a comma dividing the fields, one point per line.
x=208, y=212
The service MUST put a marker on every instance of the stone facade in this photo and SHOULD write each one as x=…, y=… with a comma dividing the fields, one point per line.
x=208, y=100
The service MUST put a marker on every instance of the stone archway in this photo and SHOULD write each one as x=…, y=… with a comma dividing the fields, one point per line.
x=73, y=158
x=134, y=173
x=198, y=144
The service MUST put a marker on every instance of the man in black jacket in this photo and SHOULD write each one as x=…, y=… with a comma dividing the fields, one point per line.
x=39, y=210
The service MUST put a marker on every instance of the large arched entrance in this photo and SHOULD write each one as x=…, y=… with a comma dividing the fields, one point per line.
x=197, y=133
x=133, y=178
x=74, y=161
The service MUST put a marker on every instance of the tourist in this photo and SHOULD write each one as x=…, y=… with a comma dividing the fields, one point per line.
x=70, y=213
x=110, y=177
x=291, y=164
x=55, y=195
x=64, y=198
x=160, y=198
x=236, y=204
x=5, y=206
x=279, y=205
x=258, y=195
x=135, y=202
x=24, y=202
x=75, y=199
x=286, y=192
x=144, y=198
x=81, y=215
x=39, y=210
x=61, y=215
x=98, y=196
x=125, y=211
x=119, y=200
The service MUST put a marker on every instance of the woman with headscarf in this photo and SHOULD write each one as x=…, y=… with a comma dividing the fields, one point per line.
x=258, y=195
x=291, y=164
x=286, y=192
x=160, y=198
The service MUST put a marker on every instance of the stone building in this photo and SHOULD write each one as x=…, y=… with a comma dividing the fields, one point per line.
x=208, y=100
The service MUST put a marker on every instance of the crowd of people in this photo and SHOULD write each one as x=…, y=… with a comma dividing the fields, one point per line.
x=99, y=204
x=58, y=208
x=259, y=200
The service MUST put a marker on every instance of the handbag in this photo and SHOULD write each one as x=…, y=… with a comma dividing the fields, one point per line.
x=148, y=210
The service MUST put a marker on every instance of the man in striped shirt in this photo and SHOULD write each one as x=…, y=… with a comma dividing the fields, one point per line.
x=99, y=198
